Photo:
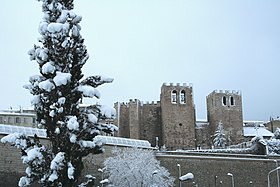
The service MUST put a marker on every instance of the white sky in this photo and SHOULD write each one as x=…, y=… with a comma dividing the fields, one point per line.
x=218, y=44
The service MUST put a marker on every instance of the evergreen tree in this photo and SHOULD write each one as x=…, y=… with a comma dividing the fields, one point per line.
x=57, y=91
x=277, y=133
x=219, y=136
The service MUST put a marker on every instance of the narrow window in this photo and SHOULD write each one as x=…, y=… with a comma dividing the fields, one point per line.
x=183, y=96
x=224, y=101
x=1, y=119
x=231, y=101
x=174, y=96
x=33, y=120
x=18, y=120
x=10, y=120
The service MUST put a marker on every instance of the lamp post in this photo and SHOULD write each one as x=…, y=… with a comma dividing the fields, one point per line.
x=157, y=143
x=268, y=180
x=216, y=180
x=102, y=175
x=186, y=177
x=154, y=173
x=232, y=179
x=179, y=174
x=277, y=172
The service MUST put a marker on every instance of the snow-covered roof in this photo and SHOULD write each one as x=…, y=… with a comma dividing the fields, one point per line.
x=110, y=140
x=29, y=131
x=259, y=131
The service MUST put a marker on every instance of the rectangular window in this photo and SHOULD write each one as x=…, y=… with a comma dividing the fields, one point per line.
x=18, y=120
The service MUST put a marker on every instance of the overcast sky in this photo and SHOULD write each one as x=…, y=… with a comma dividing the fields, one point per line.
x=215, y=45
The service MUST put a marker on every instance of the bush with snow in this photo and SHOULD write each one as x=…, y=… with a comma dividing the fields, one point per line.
x=137, y=168
x=58, y=91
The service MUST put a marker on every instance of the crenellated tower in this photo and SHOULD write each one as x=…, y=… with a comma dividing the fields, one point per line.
x=178, y=116
x=226, y=107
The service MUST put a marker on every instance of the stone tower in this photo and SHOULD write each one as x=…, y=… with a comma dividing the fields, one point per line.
x=226, y=107
x=178, y=116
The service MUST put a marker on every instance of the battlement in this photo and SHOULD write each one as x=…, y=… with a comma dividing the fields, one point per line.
x=190, y=85
x=235, y=92
x=150, y=103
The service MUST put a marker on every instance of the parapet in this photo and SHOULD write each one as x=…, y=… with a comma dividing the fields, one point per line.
x=234, y=92
x=190, y=85
x=151, y=103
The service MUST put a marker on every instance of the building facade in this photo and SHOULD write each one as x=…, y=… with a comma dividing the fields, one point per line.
x=18, y=117
x=226, y=107
x=172, y=122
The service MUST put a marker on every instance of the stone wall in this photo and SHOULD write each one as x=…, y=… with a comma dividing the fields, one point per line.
x=178, y=118
x=151, y=125
x=204, y=166
x=226, y=107
x=210, y=169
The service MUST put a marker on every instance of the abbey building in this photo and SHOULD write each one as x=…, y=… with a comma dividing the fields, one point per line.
x=172, y=121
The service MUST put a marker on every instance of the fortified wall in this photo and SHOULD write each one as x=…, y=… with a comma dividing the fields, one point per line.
x=173, y=121
x=209, y=169
x=169, y=122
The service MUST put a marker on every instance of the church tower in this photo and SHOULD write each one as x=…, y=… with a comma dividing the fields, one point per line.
x=178, y=116
x=226, y=107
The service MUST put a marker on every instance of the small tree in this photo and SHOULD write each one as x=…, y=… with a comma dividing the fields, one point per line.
x=219, y=136
x=277, y=133
x=136, y=167
x=57, y=91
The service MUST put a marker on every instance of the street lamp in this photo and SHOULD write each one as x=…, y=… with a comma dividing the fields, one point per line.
x=277, y=173
x=268, y=180
x=102, y=175
x=186, y=177
x=216, y=180
x=179, y=174
x=232, y=179
x=157, y=143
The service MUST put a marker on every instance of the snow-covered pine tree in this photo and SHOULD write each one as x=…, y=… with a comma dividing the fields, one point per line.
x=57, y=92
x=219, y=136
x=136, y=167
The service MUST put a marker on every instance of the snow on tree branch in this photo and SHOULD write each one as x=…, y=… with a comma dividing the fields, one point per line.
x=136, y=167
x=58, y=91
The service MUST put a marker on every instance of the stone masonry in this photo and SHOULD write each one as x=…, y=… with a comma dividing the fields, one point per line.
x=172, y=119
x=226, y=107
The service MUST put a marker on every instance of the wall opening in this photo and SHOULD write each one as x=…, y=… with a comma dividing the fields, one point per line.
x=174, y=96
x=232, y=101
x=224, y=100
x=182, y=97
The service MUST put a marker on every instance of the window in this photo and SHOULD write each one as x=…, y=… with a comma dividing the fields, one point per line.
x=224, y=101
x=231, y=101
x=33, y=120
x=174, y=96
x=18, y=120
x=1, y=119
x=10, y=120
x=183, y=96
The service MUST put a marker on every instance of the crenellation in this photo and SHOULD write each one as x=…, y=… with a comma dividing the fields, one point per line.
x=173, y=121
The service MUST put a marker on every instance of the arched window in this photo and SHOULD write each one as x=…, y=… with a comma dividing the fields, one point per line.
x=174, y=96
x=224, y=100
x=183, y=96
x=231, y=101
